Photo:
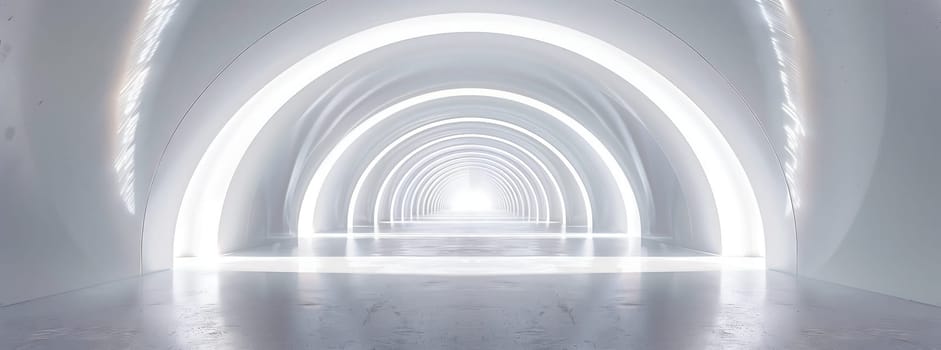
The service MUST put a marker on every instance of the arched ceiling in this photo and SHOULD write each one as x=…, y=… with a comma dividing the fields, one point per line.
x=335, y=112
x=125, y=117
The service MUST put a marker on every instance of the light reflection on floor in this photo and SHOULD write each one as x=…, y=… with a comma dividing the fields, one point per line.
x=470, y=256
x=469, y=265
x=450, y=244
x=469, y=293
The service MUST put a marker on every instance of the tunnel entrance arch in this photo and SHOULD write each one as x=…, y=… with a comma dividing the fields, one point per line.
x=206, y=200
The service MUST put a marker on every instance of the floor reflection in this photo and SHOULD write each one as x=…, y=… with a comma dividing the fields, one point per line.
x=669, y=310
x=453, y=245
x=469, y=293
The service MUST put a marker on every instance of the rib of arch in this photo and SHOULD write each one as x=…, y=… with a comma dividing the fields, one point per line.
x=437, y=183
x=198, y=219
x=458, y=153
x=313, y=190
x=527, y=153
x=312, y=194
x=433, y=196
x=542, y=188
x=424, y=199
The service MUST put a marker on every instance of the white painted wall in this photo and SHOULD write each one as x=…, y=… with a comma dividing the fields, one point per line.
x=63, y=223
x=872, y=191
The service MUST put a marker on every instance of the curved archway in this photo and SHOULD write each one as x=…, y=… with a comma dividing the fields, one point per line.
x=739, y=216
x=462, y=201
x=415, y=200
x=447, y=154
x=527, y=153
x=312, y=194
x=433, y=184
x=450, y=169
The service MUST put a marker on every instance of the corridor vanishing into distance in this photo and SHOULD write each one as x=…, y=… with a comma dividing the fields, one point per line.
x=488, y=174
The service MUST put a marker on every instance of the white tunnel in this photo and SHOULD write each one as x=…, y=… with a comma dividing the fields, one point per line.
x=798, y=132
x=375, y=133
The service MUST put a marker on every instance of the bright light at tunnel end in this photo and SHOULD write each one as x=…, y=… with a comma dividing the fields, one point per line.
x=311, y=195
x=471, y=200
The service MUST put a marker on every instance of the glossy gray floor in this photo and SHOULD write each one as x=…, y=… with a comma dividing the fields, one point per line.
x=277, y=310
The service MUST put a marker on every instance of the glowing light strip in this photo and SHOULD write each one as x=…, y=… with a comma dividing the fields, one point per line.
x=379, y=196
x=530, y=155
x=145, y=46
x=539, y=212
x=518, y=174
x=783, y=42
x=475, y=155
x=198, y=219
x=430, y=193
x=513, y=195
x=312, y=194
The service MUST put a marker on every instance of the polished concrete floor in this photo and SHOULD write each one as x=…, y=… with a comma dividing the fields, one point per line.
x=215, y=307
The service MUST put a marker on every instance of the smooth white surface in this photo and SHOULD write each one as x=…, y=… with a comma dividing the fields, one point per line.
x=871, y=195
x=64, y=221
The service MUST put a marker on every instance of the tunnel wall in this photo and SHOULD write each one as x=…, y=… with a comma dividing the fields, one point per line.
x=867, y=185
x=63, y=223
x=872, y=190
